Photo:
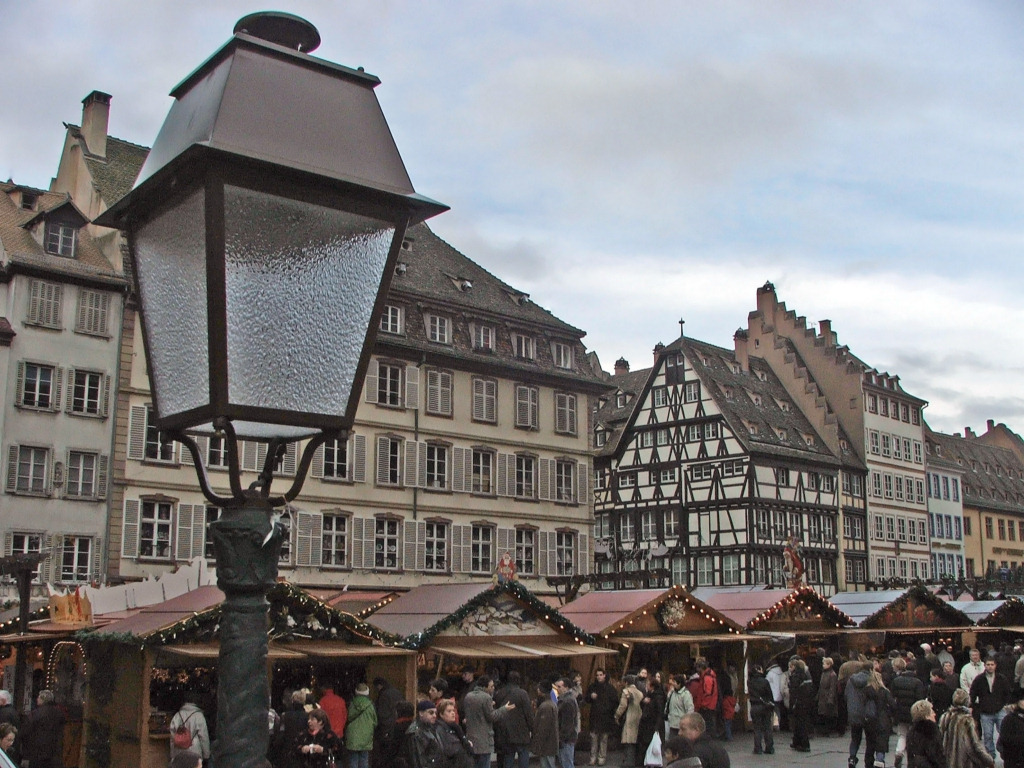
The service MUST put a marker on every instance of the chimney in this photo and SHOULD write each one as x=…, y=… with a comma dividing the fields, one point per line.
x=740, y=339
x=767, y=301
x=991, y=424
x=621, y=366
x=658, y=349
x=95, y=113
x=825, y=331
x=968, y=432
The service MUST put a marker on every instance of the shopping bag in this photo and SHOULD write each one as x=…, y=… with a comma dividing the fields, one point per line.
x=653, y=756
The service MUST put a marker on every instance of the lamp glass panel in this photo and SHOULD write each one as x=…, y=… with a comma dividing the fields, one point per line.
x=301, y=282
x=170, y=259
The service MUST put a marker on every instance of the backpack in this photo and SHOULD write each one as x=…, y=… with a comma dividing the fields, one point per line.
x=182, y=737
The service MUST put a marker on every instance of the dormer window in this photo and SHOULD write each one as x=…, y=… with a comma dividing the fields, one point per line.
x=621, y=399
x=28, y=200
x=61, y=239
x=391, y=319
x=600, y=437
x=562, y=355
x=439, y=329
x=522, y=346
x=483, y=337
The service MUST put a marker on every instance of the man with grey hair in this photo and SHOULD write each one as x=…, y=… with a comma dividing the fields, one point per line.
x=42, y=738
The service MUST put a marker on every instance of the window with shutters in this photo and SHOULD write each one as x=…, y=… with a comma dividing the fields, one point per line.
x=565, y=553
x=45, y=306
x=565, y=480
x=37, y=386
x=389, y=384
x=565, y=413
x=439, y=393
x=437, y=466
x=336, y=459
x=85, y=475
x=88, y=393
x=526, y=477
x=61, y=239
x=155, y=530
x=561, y=354
x=436, y=545
x=482, y=549
x=483, y=471
x=389, y=460
x=27, y=544
x=28, y=470
x=527, y=407
x=439, y=329
x=485, y=400
x=93, y=310
x=335, y=540
x=391, y=319
x=210, y=516
x=385, y=543
x=483, y=337
x=159, y=446
x=522, y=346
x=76, y=556
x=526, y=551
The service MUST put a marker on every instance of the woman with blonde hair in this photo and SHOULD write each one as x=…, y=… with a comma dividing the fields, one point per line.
x=961, y=743
x=628, y=713
x=878, y=712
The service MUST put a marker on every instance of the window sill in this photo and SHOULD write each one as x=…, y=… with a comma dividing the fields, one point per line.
x=161, y=462
x=151, y=559
x=438, y=414
x=69, y=497
x=336, y=480
x=84, y=415
x=42, y=326
x=431, y=489
x=93, y=334
x=35, y=408
x=36, y=494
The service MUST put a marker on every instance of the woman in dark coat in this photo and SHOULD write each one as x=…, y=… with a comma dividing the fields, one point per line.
x=924, y=745
x=652, y=718
x=456, y=748
x=879, y=708
x=803, y=704
x=318, y=744
x=1011, y=737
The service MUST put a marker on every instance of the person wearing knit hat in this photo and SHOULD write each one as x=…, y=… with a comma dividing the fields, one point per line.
x=362, y=724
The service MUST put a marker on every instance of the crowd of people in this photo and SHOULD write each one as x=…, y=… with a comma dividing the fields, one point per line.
x=37, y=739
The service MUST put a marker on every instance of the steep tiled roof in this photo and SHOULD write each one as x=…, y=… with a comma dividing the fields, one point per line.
x=114, y=175
x=21, y=248
x=993, y=477
x=434, y=275
x=614, y=417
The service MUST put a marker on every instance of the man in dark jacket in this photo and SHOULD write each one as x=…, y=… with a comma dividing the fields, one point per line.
x=856, y=698
x=422, y=745
x=387, y=700
x=603, y=700
x=711, y=753
x=568, y=714
x=990, y=692
x=906, y=689
x=42, y=738
x=761, y=710
x=940, y=694
x=516, y=728
x=7, y=712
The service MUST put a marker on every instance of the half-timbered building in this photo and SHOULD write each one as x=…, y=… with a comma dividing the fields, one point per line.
x=712, y=474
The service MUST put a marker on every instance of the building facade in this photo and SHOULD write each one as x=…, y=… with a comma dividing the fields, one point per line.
x=943, y=457
x=709, y=471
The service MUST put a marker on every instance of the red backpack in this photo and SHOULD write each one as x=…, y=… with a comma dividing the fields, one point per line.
x=182, y=737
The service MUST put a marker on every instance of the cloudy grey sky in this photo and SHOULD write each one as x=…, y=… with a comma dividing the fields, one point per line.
x=631, y=164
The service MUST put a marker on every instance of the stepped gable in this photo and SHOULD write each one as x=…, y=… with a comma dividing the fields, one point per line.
x=22, y=250
x=993, y=477
x=781, y=428
x=114, y=176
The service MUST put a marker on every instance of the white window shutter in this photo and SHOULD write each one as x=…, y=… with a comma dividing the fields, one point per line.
x=137, y=432
x=413, y=479
x=316, y=467
x=546, y=553
x=54, y=544
x=261, y=456
x=58, y=382
x=583, y=482
x=357, y=458
x=186, y=455
x=130, y=528
x=459, y=469
x=250, y=456
x=289, y=462
x=412, y=387
x=545, y=478
x=461, y=548
x=583, y=553
x=478, y=399
x=357, y=542
x=183, y=545
x=383, y=456
x=19, y=384
x=369, y=536
x=69, y=402
x=102, y=475
x=421, y=464
x=12, y=469
x=370, y=387
x=96, y=564
x=415, y=533
x=503, y=473
x=56, y=316
x=446, y=392
x=506, y=542
x=199, y=531
x=522, y=406
x=433, y=391
x=309, y=538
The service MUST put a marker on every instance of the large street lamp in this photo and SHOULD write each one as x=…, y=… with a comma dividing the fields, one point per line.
x=264, y=229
